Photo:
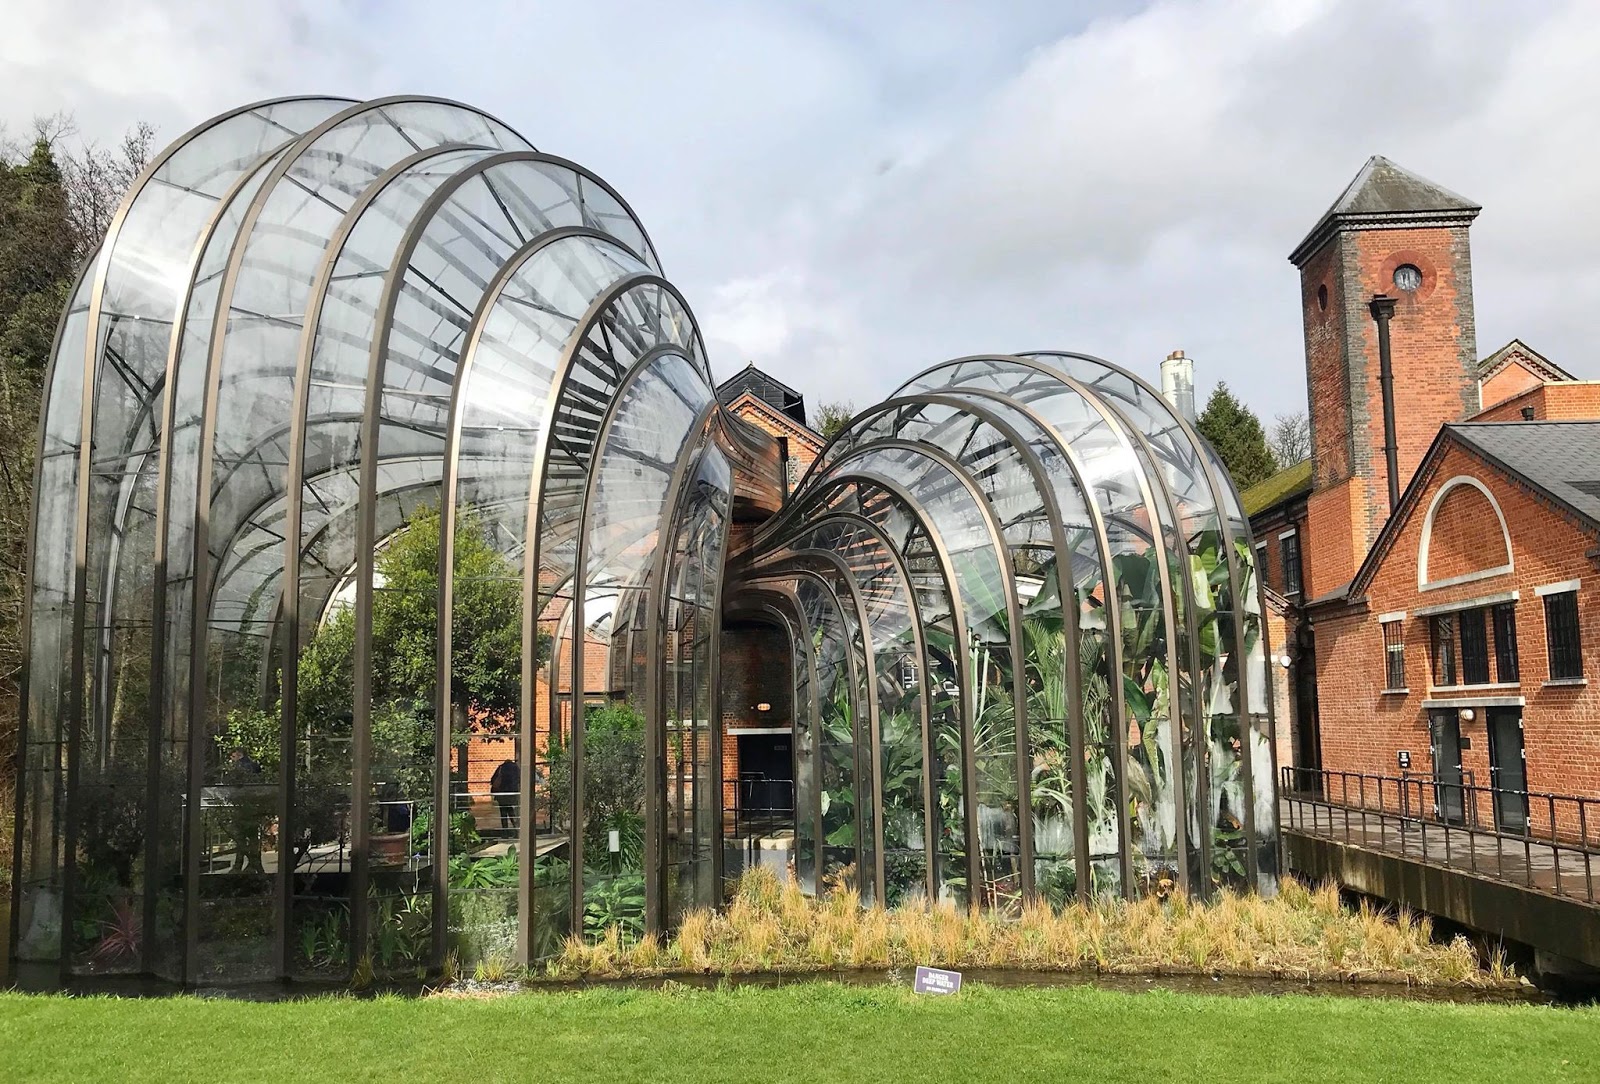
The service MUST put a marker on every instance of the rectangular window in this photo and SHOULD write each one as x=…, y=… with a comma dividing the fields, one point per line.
x=1505, y=643
x=1561, y=635
x=1394, y=655
x=1290, y=555
x=1444, y=649
x=1474, y=647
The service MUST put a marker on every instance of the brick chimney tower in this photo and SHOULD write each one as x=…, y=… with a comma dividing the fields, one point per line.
x=1391, y=235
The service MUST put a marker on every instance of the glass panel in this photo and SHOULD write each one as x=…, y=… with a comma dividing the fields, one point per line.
x=274, y=269
x=41, y=791
x=1138, y=548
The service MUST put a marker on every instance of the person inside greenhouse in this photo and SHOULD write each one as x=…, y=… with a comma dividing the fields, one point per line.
x=243, y=772
x=503, y=787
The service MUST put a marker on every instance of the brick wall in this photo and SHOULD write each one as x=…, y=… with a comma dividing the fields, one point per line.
x=1509, y=382
x=1268, y=531
x=1434, y=355
x=1363, y=728
x=1564, y=401
x=804, y=443
x=1467, y=536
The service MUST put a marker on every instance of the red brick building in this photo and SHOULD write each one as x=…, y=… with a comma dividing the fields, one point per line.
x=1436, y=627
x=757, y=715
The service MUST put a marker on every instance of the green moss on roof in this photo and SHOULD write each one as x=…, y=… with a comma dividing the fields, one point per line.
x=1289, y=482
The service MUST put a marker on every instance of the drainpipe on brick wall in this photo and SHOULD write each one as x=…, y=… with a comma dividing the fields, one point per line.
x=1382, y=309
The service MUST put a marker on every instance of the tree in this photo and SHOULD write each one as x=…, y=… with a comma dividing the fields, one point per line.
x=1236, y=433
x=96, y=179
x=1291, y=439
x=834, y=416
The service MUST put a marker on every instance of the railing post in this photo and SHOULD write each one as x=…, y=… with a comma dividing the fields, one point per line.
x=1527, y=858
x=1583, y=833
x=1555, y=843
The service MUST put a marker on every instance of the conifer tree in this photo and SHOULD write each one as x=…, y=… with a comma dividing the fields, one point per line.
x=1236, y=433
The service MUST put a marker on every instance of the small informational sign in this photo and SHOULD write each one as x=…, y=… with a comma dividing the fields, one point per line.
x=1404, y=757
x=616, y=841
x=934, y=980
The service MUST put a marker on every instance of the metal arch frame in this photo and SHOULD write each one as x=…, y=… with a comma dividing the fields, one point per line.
x=919, y=645
x=1164, y=574
x=1046, y=496
x=1002, y=553
x=691, y=459
x=530, y=572
x=961, y=631
x=163, y=526
x=294, y=489
x=366, y=466
x=1077, y=732
x=595, y=313
x=215, y=357
x=694, y=442
x=1022, y=716
x=102, y=265
x=448, y=512
x=378, y=356
x=857, y=667
x=1173, y=523
x=772, y=597
x=864, y=730
x=1113, y=615
x=787, y=586
x=1219, y=484
x=450, y=483
x=30, y=548
x=894, y=491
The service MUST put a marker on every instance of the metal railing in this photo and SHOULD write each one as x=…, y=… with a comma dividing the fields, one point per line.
x=775, y=802
x=1484, y=830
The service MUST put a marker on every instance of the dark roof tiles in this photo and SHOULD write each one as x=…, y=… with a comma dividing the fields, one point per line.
x=1561, y=459
x=1384, y=194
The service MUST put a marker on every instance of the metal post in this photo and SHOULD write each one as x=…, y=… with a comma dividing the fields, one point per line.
x=1382, y=309
x=1583, y=832
x=1555, y=843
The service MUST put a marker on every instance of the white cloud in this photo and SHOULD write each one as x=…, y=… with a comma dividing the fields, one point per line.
x=848, y=193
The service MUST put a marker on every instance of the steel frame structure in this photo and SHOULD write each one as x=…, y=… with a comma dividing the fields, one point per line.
x=1026, y=646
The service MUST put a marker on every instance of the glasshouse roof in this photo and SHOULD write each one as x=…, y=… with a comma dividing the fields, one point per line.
x=392, y=550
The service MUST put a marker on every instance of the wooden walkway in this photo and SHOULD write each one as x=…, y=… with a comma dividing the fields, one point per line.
x=1562, y=870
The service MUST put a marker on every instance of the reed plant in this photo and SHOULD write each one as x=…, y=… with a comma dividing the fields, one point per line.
x=1304, y=932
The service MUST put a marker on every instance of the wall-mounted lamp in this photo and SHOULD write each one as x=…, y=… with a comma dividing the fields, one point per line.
x=763, y=707
x=1284, y=661
x=1466, y=715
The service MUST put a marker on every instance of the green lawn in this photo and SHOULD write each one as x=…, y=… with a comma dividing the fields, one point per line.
x=811, y=1032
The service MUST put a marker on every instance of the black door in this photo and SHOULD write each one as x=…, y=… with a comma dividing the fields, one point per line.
x=766, y=778
x=1445, y=730
x=1508, y=772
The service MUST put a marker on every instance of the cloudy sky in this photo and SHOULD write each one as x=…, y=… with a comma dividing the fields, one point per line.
x=848, y=192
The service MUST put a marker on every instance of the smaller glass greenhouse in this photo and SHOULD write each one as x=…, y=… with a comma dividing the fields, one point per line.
x=389, y=538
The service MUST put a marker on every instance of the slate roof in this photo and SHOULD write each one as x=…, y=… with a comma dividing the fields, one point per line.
x=766, y=387
x=1294, y=481
x=1561, y=460
x=1384, y=195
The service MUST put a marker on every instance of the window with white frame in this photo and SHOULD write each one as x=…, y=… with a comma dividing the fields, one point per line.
x=1394, y=654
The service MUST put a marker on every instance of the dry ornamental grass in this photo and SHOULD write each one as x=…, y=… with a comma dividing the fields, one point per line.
x=1302, y=933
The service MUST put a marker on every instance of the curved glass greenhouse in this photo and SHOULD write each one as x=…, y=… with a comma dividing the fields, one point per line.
x=389, y=535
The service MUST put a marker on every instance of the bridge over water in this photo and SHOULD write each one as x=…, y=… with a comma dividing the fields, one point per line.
x=1519, y=865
